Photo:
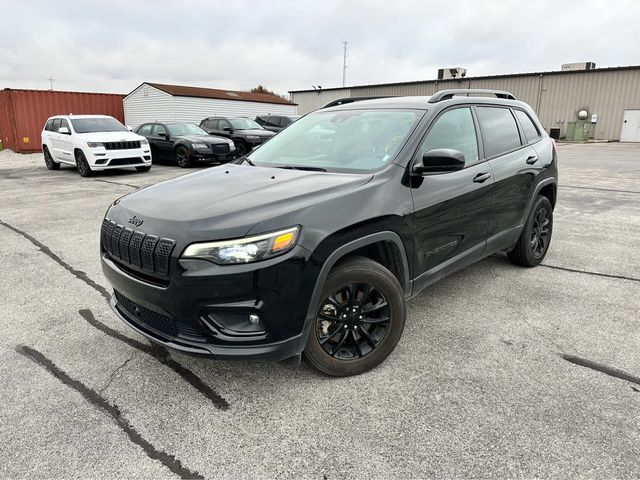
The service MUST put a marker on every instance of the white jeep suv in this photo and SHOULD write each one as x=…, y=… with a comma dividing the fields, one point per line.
x=93, y=142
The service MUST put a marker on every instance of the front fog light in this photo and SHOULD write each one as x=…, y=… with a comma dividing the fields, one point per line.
x=245, y=250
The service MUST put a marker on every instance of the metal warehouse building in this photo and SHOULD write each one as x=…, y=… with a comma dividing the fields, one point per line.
x=158, y=102
x=610, y=96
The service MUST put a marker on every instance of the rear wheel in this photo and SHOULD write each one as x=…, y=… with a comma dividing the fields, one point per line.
x=535, y=238
x=182, y=157
x=143, y=169
x=360, y=319
x=241, y=149
x=48, y=160
x=82, y=165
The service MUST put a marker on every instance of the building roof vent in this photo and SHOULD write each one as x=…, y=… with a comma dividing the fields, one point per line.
x=569, y=67
x=449, y=73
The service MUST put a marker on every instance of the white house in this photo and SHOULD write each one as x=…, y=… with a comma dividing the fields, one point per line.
x=158, y=102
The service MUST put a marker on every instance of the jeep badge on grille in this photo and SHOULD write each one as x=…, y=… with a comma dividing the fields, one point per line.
x=135, y=221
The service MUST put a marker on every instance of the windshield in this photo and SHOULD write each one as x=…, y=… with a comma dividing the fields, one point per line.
x=244, y=124
x=178, y=129
x=348, y=140
x=101, y=124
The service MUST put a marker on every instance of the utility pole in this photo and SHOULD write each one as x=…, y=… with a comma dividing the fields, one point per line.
x=344, y=63
x=50, y=82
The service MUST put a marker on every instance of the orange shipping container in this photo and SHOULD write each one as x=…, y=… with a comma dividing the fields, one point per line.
x=23, y=113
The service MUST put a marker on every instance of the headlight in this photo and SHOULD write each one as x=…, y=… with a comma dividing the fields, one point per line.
x=253, y=138
x=144, y=142
x=245, y=250
x=95, y=144
x=200, y=146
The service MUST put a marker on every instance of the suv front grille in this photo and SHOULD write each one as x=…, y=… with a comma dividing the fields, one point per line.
x=122, y=145
x=130, y=247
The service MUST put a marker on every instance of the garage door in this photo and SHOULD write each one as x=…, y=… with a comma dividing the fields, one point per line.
x=630, y=126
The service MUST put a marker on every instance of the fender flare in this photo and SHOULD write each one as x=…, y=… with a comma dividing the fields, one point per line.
x=340, y=253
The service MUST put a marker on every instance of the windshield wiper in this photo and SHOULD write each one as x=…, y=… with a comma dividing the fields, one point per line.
x=299, y=167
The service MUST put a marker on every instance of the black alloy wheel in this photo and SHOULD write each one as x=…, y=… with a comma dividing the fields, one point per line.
x=540, y=233
x=182, y=157
x=359, y=320
x=49, y=161
x=241, y=149
x=535, y=238
x=352, y=321
x=82, y=165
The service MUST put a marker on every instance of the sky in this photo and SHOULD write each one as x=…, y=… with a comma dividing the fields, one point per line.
x=114, y=45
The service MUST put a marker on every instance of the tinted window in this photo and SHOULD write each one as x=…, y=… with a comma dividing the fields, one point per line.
x=454, y=129
x=529, y=129
x=145, y=130
x=97, y=124
x=56, y=124
x=261, y=120
x=49, y=125
x=222, y=124
x=213, y=124
x=159, y=130
x=64, y=123
x=499, y=130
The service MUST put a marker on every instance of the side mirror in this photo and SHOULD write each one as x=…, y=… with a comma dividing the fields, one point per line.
x=227, y=129
x=440, y=160
x=64, y=130
x=167, y=136
x=130, y=128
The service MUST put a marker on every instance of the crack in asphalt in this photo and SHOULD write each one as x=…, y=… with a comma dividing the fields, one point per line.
x=93, y=397
x=117, y=183
x=117, y=370
x=158, y=352
x=599, y=189
x=599, y=367
x=587, y=272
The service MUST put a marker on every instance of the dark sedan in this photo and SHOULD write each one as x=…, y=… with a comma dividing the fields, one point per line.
x=186, y=143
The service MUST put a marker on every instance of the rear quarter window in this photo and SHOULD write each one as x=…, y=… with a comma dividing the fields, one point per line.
x=528, y=127
x=499, y=130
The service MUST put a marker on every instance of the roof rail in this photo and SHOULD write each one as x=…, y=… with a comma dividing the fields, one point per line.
x=344, y=101
x=449, y=94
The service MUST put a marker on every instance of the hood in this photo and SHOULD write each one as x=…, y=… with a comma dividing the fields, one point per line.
x=228, y=201
x=208, y=139
x=111, y=136
x=259, y=132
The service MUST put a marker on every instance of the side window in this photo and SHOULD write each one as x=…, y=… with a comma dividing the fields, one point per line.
x=261, y=120
x=454, y=129
x=159, y=129
x=145, y=130
x=56, y=124
x=528, y=127
x=499, y=130
x=49, y=125
x=64, y=123
x=222, y=124
x=213, y=124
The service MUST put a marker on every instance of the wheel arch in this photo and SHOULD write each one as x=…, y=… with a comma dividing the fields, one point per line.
x=385, y=247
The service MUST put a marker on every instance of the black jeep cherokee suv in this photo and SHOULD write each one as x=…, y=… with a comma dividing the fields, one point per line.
x=313, y=243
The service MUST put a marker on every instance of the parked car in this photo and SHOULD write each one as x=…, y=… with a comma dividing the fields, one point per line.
x=275, y=123
x=186, y=143
x=245, y=133
x=289, y=251
x=92, y=143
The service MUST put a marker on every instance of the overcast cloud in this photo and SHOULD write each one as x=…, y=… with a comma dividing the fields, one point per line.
x=114, y=45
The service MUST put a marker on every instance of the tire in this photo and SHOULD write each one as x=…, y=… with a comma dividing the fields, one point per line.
x=535, y=238
x=182, y=157
x=241, y=149
x=82, y=165
x=49, y=161
x=143, y=169
x=340, y=346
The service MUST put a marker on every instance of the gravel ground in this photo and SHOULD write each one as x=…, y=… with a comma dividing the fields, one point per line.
x=479, y=385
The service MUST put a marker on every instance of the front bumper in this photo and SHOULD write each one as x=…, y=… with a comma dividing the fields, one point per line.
x=203, y=310
x=102, y=159
x=199, y=156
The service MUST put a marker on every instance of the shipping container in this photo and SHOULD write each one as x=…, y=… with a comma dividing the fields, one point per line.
x=23, y=113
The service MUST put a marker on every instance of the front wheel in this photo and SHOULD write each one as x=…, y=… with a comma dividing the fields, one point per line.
x=182, y=157
x=83, y=166
x=360, y=319
x=535, y=238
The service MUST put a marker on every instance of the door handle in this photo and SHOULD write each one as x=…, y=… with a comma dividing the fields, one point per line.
x=531, y=159
x=481, y=177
